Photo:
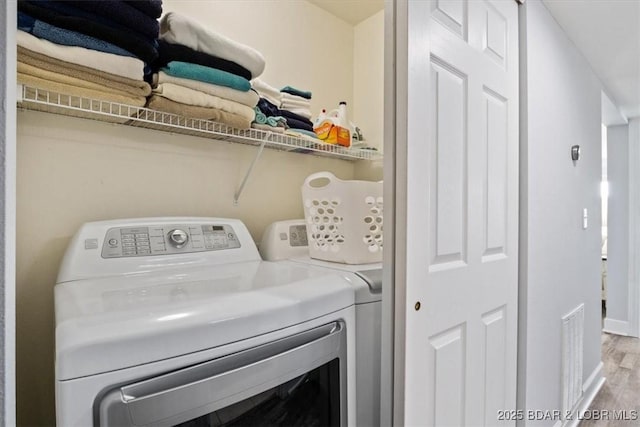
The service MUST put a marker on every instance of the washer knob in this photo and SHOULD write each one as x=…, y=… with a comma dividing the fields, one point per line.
x=178, y=238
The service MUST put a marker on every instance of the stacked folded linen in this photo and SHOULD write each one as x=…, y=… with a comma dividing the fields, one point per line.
x=203, y=74
x=81, y=72
x=92, y=50
x=296, y=106
x=115, y=22
x=270, y=123
x=295, y=122
x=266, y=91
x=178, y=29
x=267, y=115
x=275, y=103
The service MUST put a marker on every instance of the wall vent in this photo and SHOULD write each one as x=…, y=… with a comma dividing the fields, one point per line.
x=572, y=358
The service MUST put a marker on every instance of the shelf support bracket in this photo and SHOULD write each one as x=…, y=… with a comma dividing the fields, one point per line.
x=238, y=193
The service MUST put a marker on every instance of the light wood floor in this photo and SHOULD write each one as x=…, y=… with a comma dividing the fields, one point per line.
x=621, y=391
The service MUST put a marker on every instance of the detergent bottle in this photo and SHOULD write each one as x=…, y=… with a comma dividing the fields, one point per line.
x=334, y=129
x=321, y=118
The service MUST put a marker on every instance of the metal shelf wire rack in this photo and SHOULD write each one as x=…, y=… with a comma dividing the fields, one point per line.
x=31, y=98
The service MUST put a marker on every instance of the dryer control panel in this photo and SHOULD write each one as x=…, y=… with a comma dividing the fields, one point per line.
x=285, y=240
x=168, y=239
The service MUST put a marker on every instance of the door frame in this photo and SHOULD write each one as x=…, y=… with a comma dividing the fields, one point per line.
x=634, y=228
x=8, y=11
x=396, y=57
x=392, y=323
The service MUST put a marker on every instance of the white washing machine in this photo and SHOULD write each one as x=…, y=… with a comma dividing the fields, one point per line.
x=178, y=322
x=286, y=242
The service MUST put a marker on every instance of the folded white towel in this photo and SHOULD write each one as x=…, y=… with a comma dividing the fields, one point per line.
x=184, y=95
x=179, y=29
x=249, y=98
x=295, y=99
x=125, y=66
x=289, y=104
x=267, y=91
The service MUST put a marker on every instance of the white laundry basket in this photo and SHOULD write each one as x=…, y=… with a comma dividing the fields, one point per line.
x=344, y=219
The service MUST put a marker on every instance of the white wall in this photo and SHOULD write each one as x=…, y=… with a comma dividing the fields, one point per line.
x=7, y=216
x=611, y=115
x=368, y=83
x=368, y=89
x=634, y=227
x=560, y=260
x=71, y=171
x=618, y=229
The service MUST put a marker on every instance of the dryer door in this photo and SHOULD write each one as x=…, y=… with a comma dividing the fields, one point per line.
x=299, y=380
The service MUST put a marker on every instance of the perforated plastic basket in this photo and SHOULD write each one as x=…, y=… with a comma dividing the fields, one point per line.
x=344, y=219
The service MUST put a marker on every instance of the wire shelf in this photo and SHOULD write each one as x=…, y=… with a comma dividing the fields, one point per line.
x=31, y=98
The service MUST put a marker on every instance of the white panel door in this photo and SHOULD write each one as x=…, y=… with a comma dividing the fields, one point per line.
x=461, y=242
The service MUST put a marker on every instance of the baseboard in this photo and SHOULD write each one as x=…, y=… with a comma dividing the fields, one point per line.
x=591, y=387
x=618, y=327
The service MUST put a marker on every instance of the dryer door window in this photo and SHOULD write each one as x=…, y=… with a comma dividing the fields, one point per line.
x=299, y=380
x=311, y=399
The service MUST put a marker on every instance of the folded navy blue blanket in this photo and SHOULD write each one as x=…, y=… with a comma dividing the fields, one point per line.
x=129, y=40
x=66, y=8
x=152, y=8
x=297, y=117
x=169, y=52
x=64, y=37
x=293, y=120
x=297, y=124
x=121, y=13
x=269, y=109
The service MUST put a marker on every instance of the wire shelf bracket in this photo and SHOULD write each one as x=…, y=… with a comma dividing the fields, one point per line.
x=236, y=196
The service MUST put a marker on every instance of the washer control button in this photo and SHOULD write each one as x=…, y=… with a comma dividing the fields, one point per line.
x=178, y=238
x=113, y=242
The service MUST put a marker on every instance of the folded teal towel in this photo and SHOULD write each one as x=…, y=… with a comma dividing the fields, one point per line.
x=201, y=73
x=260, y=117
x=276, y=121
x=293, y=91
x=273, y=121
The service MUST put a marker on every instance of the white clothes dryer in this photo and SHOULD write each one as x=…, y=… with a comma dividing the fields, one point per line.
x=286, y=242
x=178, y=322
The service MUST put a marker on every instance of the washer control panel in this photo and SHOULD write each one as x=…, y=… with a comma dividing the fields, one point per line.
x=168, y=239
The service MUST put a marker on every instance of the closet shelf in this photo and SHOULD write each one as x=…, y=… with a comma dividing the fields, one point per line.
x=30, y=98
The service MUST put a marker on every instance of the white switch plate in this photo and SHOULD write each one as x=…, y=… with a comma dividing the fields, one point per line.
x=585, y=218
